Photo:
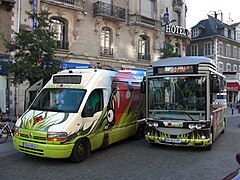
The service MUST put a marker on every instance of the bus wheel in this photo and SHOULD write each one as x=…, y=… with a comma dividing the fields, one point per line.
x=209, y=147
x=140, y=133
x=80, y=151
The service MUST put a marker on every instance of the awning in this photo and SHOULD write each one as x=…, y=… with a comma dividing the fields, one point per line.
x=4, y=71
x=71, y=65
x=233, y=86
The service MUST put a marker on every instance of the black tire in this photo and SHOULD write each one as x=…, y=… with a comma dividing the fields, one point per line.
x=140, y=133
x=3, y=134
x=80, y=151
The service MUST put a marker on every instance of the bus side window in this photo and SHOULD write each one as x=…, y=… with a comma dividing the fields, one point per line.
x=93, y=104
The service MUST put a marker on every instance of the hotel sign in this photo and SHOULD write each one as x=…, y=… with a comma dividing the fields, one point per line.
x=178, y=30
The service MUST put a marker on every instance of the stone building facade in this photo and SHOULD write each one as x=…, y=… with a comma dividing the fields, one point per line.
x=220, y=41
x=6, y=29
x=111, y=33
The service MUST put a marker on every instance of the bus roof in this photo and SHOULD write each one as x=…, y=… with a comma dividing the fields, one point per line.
x=180, y=61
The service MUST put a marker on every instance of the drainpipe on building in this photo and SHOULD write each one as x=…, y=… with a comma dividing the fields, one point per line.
x=18, y=15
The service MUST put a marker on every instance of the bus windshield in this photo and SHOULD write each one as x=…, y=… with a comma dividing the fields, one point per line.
x=59, y=100
x=177, y=97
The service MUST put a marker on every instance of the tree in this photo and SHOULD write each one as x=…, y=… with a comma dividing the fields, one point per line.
x=33, y=51
x=168, y=51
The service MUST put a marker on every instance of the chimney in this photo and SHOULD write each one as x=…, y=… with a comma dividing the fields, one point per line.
x=215, y=14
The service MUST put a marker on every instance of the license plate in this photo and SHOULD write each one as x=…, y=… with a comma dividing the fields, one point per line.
x=172, y=140
x=28, y=145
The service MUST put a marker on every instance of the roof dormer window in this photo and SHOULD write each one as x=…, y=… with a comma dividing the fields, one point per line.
x=195, y=32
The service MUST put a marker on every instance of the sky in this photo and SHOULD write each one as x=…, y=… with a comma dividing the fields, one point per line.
x=198, y=10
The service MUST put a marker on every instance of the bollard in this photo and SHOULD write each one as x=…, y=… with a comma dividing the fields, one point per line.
x=232, y=111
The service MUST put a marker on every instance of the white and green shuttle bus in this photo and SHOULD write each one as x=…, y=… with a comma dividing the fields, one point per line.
x=185, y=102
x=81, y=110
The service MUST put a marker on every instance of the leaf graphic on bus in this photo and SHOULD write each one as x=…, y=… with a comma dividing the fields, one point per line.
x=45, y=122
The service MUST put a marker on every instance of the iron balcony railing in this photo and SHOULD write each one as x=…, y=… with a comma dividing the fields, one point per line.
x=109, y=11
x=62, y=45
x=144, y=56
x=104, y=51
x=71, y=2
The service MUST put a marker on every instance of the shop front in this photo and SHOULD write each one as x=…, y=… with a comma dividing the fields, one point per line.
x=232, y=92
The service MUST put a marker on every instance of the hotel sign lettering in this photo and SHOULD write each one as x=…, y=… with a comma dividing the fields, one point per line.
x=176, y=30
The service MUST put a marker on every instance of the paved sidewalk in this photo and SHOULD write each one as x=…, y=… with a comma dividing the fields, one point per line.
x=232, y=112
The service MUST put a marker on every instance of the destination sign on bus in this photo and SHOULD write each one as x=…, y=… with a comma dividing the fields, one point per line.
x=175, y=69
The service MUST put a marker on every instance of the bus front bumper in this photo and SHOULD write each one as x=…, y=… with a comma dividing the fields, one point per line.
x=43, y=149
x=178, y=142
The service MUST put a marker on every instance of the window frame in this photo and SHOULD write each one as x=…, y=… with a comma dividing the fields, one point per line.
x=228, y=67
x=106, y=41
x=194, y=50
x=62, y=36
x=207, y=48
x=144, y=52
x=143, y=7
x=220, y=66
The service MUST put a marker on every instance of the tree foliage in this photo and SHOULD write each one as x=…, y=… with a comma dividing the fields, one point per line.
x=168, y=51
x=33, y=51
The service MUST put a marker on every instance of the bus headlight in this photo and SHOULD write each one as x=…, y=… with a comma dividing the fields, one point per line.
x=191, y=126
x=57, y=136
x=198, y=126
x=155, y=124
x=16, y=131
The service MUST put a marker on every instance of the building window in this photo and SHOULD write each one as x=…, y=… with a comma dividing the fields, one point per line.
x=232, y=35
x=235, y=52
x=148, y=8
x=60, y=28
x=220, y=49
x=228, y=67
x=194, y=50
x=238, y=35
x=178, y=49
x=238, y=53
x=225, y=32
x=228, y=50
x=143, y=47
x=195, y=32
x=235, y=68
x=220, y=66
x=207, y=48
x=106, y=41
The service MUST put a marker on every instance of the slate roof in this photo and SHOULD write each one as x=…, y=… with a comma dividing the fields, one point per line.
x=212, y=27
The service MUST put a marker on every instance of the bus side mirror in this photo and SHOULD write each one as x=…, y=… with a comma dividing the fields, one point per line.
x=143, y=86
x=215, y=86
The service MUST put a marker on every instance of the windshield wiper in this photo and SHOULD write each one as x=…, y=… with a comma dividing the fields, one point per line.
x=189, y=115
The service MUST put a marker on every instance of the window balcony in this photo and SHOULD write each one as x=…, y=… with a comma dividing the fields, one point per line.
x=62, y=45
x=70, y=4
x=144, y=21
x=104, y=51
x=108, y=11
x=144, y=56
